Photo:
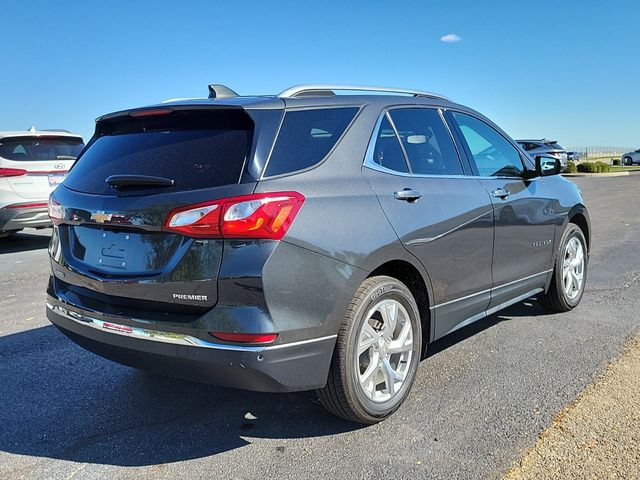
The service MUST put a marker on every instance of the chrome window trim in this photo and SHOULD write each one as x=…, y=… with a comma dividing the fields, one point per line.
x=371, y=164
x=167, y=337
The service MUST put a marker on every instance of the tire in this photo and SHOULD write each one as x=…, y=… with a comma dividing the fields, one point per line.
x=559, y=297
x=627, y=161
x=369, y=403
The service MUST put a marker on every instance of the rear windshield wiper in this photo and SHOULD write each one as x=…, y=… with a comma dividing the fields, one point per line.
x=65, y=157
x=118, y=181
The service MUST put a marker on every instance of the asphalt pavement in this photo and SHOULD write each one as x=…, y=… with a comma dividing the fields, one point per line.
x=479, y=402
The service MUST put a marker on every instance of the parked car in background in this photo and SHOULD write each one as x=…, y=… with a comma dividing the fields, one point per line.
x=32, y=164
x=549, y=148
x=573, y=157
x=305, y=240
x=631, y=158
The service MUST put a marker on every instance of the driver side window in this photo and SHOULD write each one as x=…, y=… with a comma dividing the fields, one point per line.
x=494, y=156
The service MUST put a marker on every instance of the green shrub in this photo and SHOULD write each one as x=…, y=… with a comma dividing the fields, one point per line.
x=571, y=167
x=593, y=167
x=587, y=167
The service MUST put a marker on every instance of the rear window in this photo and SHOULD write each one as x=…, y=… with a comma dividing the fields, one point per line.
x=306, y=137
x=555, y=146
x=40, y=148
x=196, y=149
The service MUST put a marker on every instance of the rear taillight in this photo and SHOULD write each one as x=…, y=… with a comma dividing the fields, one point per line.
x=12, y=172
x=245, y=337
x=56, y=211
x=260, y=216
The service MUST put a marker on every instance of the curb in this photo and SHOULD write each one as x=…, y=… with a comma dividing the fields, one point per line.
x=608, y=174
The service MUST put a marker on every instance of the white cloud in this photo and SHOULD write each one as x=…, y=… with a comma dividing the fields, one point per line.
x=450, y=38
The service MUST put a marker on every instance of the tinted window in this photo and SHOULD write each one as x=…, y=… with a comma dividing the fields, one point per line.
x=528, y=146
x=34, y=148
x=492, y=153
x=387, y=152
x=306, y=136
x=196, y=150
x=555, y=146
x=427, y=142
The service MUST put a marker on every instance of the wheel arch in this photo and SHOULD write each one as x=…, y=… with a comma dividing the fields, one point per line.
x=418, y=283
x=579, y=216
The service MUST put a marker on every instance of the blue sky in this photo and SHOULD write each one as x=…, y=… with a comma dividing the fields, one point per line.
x=568, y=70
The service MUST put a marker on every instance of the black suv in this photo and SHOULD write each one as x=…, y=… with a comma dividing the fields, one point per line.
x=306, y=240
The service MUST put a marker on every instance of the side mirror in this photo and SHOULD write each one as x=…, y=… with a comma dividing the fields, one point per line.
x=545, y=166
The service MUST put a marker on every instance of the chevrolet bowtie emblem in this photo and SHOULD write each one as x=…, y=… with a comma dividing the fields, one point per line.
x=101, y=217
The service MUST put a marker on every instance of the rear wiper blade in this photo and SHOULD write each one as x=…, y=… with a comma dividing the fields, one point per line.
x=65, y=157
x=117, y=181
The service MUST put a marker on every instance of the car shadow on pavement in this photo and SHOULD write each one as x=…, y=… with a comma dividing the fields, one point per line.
x=59, y=401
x=527, y=308
x=23, y=242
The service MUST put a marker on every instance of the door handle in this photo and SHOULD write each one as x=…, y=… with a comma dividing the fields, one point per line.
x=501, y=193
x=408, y=195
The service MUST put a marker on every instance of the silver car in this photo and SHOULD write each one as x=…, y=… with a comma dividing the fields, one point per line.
x=548, y=148
x=631, y=158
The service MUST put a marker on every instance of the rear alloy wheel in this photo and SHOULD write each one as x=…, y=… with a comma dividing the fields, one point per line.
x=377, y=353
x=570, y=272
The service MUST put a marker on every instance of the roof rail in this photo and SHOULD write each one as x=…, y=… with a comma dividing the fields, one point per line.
x=327, y=90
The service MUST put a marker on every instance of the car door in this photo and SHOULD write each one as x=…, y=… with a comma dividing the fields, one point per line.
x=524, y=210
x=441, y=215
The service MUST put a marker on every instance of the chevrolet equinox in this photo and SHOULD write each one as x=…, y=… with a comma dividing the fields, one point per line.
x=305, y=241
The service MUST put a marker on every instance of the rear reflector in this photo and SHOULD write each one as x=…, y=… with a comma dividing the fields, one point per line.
x=56, y=211
x=12, y=172
x=28, y=205
x=260, y=216
x=245, y=337
x=152, y=112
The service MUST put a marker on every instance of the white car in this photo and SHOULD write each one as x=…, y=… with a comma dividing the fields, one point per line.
x=32, y=164
x=631, y=158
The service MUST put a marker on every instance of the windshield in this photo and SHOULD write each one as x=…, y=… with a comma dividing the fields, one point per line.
x=40, y=148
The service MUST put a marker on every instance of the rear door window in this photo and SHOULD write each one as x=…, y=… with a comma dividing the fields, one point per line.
x=387, y=151
x=196, y=149
x=427, y=142
x=30, y=149
x=306, y=137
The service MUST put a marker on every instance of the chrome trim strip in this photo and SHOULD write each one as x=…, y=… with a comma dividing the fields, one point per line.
x=298, y=89
x=492, y=310
x=369, y=161
x=492, y=289
x=519, y=298
x=168, y=337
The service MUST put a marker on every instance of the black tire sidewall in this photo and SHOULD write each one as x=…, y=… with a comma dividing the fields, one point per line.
x=571, y=232
x=387, y=288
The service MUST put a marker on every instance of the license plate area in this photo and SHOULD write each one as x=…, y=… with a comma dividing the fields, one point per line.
x=123, y=252
x=55, y=180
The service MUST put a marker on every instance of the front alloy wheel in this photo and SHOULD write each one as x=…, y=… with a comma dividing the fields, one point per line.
x=569, y=273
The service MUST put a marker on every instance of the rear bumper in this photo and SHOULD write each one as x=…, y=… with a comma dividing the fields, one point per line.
x=278, y=368
x=24, y=215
